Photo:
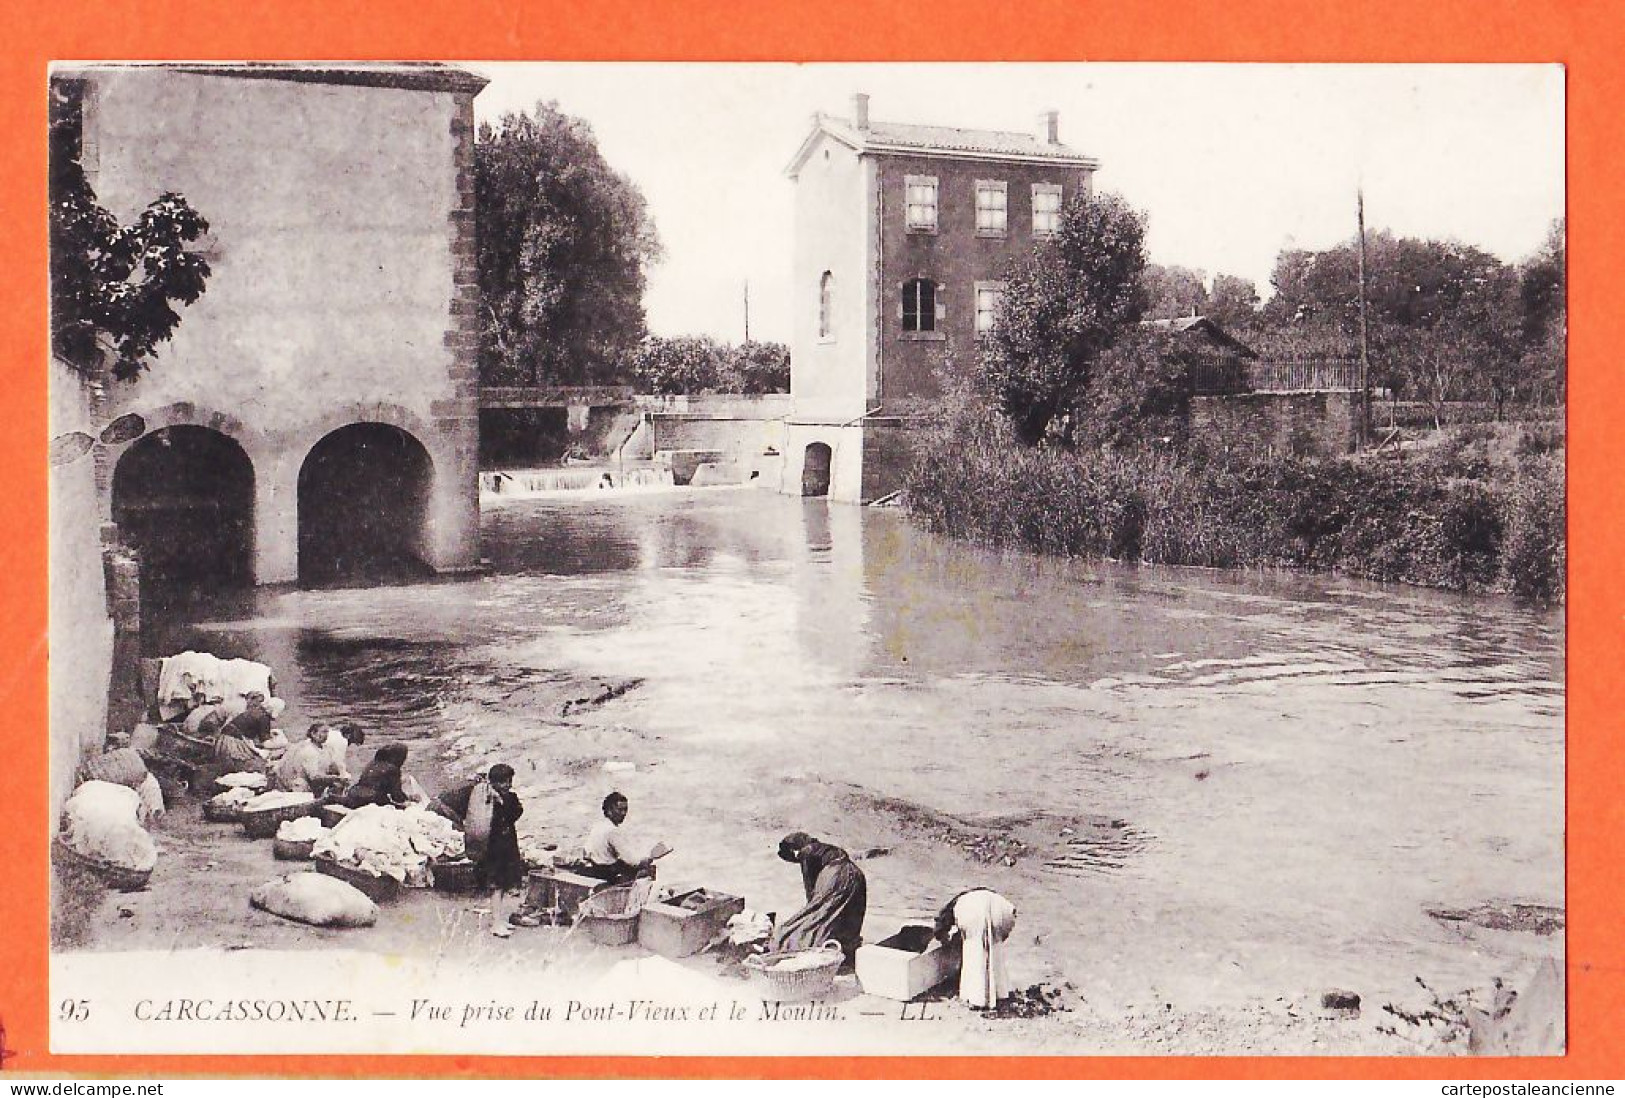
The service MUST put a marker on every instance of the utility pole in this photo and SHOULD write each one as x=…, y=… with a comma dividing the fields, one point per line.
x=747, y=310
x=1365, y=362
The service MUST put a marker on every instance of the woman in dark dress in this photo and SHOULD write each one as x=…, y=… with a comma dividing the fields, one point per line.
x=837, y=897
x=380, y=782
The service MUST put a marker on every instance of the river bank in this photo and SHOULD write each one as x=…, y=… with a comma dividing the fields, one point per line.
x=1478, y=508
x=1212, y=798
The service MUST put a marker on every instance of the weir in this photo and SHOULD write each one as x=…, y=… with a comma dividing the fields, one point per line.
x=582, y=478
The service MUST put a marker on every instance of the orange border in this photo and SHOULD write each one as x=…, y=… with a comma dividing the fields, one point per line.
x=1584, y=34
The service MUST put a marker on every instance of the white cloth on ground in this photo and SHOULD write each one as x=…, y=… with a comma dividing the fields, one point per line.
x=984, y=919
x=151, y=804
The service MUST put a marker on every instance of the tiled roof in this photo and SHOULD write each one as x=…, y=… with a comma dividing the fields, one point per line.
x=953, y=139
x=903, y=137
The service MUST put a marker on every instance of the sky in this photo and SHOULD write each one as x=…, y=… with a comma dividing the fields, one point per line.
x=1230, y=163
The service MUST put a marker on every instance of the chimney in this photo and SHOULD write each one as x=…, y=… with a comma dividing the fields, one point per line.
x=1049, y=127
x=860, y=111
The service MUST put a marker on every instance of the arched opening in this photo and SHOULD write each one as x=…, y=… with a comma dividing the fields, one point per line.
x=184, y=498
x=364, y=506
x=815, y=470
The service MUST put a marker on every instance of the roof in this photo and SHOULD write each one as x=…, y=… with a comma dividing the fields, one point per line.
x=1201, y=324
x=902, y=138
x=404, y=75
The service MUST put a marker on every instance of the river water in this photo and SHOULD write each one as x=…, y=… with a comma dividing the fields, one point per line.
x=1229, y=786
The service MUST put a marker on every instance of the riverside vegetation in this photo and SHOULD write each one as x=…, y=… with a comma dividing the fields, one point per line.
x=1479, y=509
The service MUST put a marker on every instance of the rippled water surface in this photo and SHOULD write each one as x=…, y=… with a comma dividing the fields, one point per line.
x=1270, y=763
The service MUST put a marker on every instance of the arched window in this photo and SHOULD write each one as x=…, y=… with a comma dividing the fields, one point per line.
x=919, y=305
x=826, y=306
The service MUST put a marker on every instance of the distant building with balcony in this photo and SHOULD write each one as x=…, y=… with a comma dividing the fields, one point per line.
x=901, y=234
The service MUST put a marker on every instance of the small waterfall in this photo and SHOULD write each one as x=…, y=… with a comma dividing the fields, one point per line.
x=530, y=482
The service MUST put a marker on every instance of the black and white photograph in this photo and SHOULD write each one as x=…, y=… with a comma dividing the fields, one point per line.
x=650, y=559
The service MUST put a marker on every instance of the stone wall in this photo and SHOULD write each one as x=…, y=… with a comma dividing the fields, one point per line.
x=344, y=286
x=1299, y=423
x=80, y=644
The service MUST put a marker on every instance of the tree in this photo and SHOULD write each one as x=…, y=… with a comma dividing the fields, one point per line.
x=700, y=364
x=1139, y=389
x=1174, y=292
x=1063, y=306
x=113, y=287
x=678, y=364
x=1543, y=290
x=564, y=244
x=758, y=367
x=1233, y=302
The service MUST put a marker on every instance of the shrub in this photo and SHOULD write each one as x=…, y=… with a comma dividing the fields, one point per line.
x=1410, y=522
x=1534, y=554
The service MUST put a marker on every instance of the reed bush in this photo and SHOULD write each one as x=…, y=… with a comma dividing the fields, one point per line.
x=1450, y=519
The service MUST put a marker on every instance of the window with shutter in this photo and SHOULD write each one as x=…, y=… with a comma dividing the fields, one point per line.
x=992, y=207
x=988, y=297
x=920, y=203
x=1046, y=209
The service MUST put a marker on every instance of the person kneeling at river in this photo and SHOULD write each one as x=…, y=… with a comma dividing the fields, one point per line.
x=982, y=920
x=380, y=781
x=837, y=898
x=239, y=738
x=305, y=767
x=606, y=853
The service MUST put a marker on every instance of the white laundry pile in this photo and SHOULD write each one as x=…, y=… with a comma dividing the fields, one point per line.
x=100, y=821
x=233, y=798
x=276, y=799
x=242, y=779
x=391, y=842
x=749, y=927
x=304, y=829
x=151, y=797
x=316, y=899
x=188, y=676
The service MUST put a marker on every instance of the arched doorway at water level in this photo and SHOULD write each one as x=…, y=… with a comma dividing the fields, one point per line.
x=183, y=497
x=815, y=467
x=364, y=506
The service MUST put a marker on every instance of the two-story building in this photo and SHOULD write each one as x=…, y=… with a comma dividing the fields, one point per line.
x=902, y=233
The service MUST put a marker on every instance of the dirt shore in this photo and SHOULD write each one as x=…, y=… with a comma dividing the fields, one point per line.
x=722, y=811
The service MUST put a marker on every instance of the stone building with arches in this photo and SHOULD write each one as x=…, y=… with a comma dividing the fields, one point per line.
x=315, y=416
x=900, y=234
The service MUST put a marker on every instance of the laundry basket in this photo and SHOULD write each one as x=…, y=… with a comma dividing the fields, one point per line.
x=610, y=917
x=797, y=976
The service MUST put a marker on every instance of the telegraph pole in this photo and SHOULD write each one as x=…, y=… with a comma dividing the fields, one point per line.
x=1365, y=362
x=747, y=310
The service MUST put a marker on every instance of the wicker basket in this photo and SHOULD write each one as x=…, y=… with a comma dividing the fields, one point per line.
x=375, y=886
x=797, y=985
x=117, y=876
x=176, y=741
x=333, y=814
x=457, y=876
x=222, y=813
x=610, y=917
x=262, y=824
x=292, y=850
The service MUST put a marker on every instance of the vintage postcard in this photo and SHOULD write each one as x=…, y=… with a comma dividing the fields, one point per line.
x=633, y=559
